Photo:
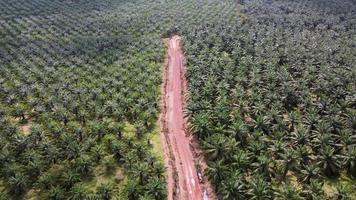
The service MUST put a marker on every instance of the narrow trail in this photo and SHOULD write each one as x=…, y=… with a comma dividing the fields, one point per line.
x=183, y=182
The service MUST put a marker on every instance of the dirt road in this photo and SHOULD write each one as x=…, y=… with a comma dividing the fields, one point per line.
x=183, y=180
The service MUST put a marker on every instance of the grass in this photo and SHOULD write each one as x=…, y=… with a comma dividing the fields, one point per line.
x=24, y=125
x=330, y=185
x=129, y=131
x=294, y=180
x=101, y=175
x=26, y=129
x=155, y=140
x=35, y=194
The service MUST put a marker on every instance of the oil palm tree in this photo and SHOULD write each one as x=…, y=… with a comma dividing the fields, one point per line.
x=241, y=160
x=132, y=189
x=140, y=129
x=314, y=190
x=56, y=193
x=329, y=161
x=18, y=183
x=20, y=111
x=97, y=152
x=311, y=119
x=293, y=119
x=219, y=146
x=46, y=181
x=216, y=172
x=117, y=148
x=52, y=152
x=304, y=154
x=4, y=195
x=37, y=133
x=347, y=138
x=277, y=147
x=239, y=131
x=261, y=123
x=259, y=189
x=156, y=188
x=287, y=192
x=309, y=172
x=300, y=136
x=343, y=192
x=350, y=121
x=79, y=192
x=322, y=135
x=262, y=166
x=106, y=191
x=257, y=144
x=83, y=164
x=158, y=170
x=141, y=171
x=233, y=188
x=289, y=159
x=349, y=161
x=70, y=178
x=201, y=124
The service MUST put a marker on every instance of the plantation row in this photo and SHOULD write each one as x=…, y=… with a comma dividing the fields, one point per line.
x=272, y=96
x=79, y=91
x=271, y=88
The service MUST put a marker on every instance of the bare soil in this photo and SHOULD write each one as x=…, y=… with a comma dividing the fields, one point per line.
x=26, y=129
x=182, y=160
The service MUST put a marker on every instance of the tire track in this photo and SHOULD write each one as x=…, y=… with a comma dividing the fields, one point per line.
x=184, y=182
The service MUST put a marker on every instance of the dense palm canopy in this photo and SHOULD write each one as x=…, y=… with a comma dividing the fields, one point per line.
x=271, y=95
x=73, y=76
x=277, y=99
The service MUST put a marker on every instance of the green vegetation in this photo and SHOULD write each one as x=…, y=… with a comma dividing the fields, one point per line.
x=272, y=87
x=79, y=90
x=273, y=99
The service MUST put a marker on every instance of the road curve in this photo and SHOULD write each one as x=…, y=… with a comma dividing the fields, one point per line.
x=183, y=181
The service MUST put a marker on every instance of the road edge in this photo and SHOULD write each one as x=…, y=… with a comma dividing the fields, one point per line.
x=198, y=153
x=171, y=170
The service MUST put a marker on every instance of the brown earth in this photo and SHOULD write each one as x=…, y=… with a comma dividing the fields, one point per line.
x=182, y=160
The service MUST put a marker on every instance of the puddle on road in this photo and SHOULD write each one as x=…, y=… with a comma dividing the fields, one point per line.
x=205, y=196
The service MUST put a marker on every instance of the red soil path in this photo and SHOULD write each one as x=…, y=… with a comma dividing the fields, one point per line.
x=183, y=181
